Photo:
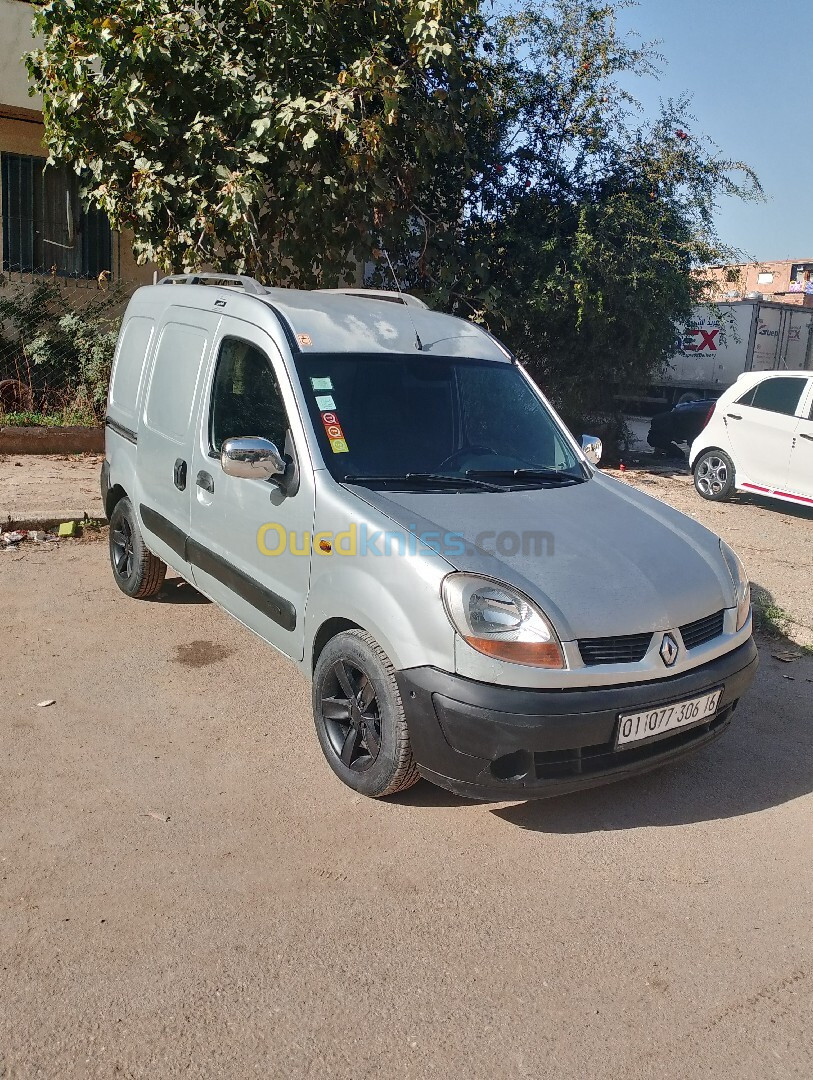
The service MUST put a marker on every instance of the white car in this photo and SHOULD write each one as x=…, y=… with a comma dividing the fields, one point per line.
x=759, y=438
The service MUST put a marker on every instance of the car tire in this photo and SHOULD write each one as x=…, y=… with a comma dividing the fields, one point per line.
x=714, y=475
x=136, y=571
x=359, y=716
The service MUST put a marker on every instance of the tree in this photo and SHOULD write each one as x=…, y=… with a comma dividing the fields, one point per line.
x=496, y=154
x=585, y=228
x=280, y=138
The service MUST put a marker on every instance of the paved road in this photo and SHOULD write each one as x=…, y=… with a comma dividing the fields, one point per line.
x=188, y=891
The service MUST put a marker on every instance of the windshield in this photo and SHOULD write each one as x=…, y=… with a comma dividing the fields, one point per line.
x=381, y=417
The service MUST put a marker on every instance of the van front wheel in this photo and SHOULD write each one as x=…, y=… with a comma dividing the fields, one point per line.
x=359, y=717
x=136, y=571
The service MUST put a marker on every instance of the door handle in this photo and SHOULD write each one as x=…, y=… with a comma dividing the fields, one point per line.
x=205, y=481
x=179, y=474
x=803, y=436
x=733, y=416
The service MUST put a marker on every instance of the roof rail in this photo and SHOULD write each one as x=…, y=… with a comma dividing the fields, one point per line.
x=389, y=295
x=249, y=285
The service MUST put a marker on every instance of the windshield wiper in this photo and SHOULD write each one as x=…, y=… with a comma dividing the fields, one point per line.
x=420, y=477
x=556, y=475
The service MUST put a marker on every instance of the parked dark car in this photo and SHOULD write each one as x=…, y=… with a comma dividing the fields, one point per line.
x=680, y=425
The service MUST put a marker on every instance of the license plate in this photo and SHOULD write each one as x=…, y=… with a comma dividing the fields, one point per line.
x=636, y=727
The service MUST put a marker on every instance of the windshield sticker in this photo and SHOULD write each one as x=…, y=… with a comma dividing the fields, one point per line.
x=332, y=426
x=325, y=402
x=322, y=384
x=304, y=339
x=334, y=433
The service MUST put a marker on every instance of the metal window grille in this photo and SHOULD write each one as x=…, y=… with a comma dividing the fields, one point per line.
x=44, y=226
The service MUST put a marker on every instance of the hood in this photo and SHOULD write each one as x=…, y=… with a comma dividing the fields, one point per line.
x=600, y=558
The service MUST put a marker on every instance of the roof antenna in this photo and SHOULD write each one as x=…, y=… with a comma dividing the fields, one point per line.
x=418, y=342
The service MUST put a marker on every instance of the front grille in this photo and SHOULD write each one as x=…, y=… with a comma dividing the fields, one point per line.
x=584, y=760
x=614, y=650
x=698, y=633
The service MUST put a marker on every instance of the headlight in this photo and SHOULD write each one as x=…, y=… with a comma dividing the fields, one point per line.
x=742, y=587
x=499, y=621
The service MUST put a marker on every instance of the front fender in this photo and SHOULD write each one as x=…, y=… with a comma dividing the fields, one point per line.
x=397, y=600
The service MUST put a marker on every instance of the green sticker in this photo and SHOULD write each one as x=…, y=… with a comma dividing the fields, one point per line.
x=322, y=384
x=325, y=403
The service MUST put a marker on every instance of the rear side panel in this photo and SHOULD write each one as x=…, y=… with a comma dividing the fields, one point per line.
x=162, y=492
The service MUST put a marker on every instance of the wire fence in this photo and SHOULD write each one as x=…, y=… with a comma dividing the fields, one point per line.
x=57, y=337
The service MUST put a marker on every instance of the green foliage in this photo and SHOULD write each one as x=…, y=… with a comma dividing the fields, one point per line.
x=496, y=153
x=584, y=226
x=68, y=416
x=59, y=347
x=284, y=138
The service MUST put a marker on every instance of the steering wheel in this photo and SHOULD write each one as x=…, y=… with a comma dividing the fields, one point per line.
x=454, y=459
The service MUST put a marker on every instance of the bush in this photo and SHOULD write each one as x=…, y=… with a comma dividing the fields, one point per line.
x=56, y=348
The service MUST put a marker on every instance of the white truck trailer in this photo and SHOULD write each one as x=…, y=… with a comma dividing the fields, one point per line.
x=722, y=341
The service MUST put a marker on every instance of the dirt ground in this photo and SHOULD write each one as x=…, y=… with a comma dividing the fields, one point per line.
x=186, y=889
x=50, y=487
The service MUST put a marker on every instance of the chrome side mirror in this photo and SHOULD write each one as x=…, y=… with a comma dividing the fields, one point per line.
x=591, y=448
x=251, y=457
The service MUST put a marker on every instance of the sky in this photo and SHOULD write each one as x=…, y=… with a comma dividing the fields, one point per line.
x=748, y=67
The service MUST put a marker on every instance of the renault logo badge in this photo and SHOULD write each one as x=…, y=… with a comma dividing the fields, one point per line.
x=669, y=650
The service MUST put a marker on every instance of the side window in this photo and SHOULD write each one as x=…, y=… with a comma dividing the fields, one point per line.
x=246, y=398
x=775, y=395
x=174, y=378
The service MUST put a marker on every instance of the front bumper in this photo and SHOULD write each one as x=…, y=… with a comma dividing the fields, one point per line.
x=494, y=742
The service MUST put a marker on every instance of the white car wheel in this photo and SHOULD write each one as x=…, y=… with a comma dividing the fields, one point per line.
x=714, y=475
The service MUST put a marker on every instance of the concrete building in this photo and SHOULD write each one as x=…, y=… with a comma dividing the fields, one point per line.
x=789, y=281
x=43, y=228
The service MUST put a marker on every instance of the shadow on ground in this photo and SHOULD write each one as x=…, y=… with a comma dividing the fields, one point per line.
x=177, y=591
x=764, y=759
x=776, y=506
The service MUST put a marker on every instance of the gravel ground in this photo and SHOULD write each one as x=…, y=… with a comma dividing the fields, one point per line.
x=186, y=889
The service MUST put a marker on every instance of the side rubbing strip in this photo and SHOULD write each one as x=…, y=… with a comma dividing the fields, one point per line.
x=275, y=607
x=171, y=535
x=278, y=609
x=120, y=429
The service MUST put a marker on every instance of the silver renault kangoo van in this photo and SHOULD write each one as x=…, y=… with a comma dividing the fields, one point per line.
x=381, y=493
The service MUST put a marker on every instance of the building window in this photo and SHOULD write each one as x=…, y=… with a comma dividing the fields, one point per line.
x=801, y=272
x=45, y=229
x=765, y=279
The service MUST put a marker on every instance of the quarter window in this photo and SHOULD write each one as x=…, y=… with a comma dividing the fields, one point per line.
x=246, y=398
x=775, y=395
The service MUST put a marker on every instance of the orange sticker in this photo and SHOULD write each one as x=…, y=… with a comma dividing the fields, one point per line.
x=332, y=426
x=304, y=339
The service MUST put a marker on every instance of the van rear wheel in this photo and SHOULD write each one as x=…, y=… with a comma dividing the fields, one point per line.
x=359, y=716
x=136, y=571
